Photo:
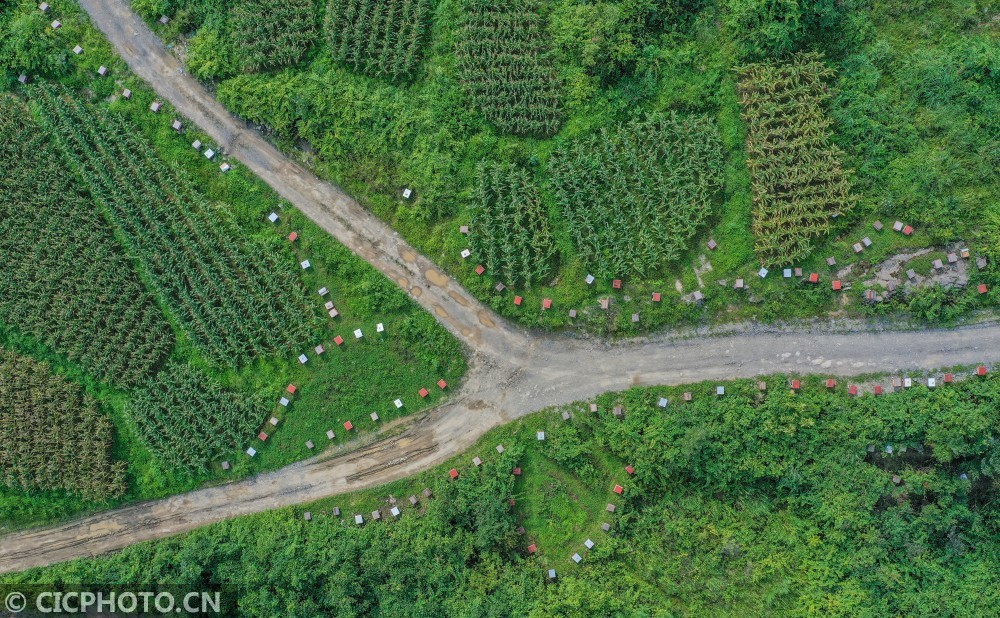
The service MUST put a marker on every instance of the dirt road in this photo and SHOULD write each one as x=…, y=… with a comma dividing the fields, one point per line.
x=511, y=372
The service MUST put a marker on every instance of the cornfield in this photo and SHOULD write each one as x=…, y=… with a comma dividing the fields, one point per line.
x=797, y=180
x=236, y=301
x=52, y=436
x=510, y=231
x=66, y=281
x=504, y=62
x=186, y=419
x=635, y=194
x=272, y=33
x=382, y=38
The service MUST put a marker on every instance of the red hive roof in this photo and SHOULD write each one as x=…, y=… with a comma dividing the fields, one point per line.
x=981, y=370
x=617, y=284
x=424, y=392
x=518, y=300
x=814, y=278
x=348, y=426
x=262, y=436
x=532, y=548
x=853, y=390
x=480, y=269
x=619, y=489
x=453, y=473
x=878, y=389
x=983, y=289
x=831, y=383
x=291, y=389
x=837, y=285
x=948, y=378
x=338, y=340
x=796, y=385
x=547, y=303
x=656, y=297
x=630, y=469
x=516, y=472
x=293, y=236
x=442, y=384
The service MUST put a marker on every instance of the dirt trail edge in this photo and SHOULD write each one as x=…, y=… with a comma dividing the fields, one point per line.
x=510, y=373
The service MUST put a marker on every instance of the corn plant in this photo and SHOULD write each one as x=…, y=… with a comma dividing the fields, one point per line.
x=381, y=38
x=235, y=299
x=504, y=62
x=53, y=436
x=510, y=231
x=635, y=194
x=186, y=419
x=67, y=282
x=272, y=33
x=797, y=180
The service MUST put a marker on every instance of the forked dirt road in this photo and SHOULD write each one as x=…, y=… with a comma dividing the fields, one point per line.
x=512, y=373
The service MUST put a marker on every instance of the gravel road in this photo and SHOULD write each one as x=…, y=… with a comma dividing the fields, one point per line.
x=512, y=372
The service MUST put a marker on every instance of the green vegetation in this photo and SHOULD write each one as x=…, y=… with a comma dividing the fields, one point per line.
x=634, y=195
x=67, y=283
x=272, y=33
x=187, y=420
x=377, y=37
x=504, y=63
x=52, y=435
x=784, y=503
x=76, y=260
x=236, y=301
x=797, y=180
x=910, y=98
x=509, y=230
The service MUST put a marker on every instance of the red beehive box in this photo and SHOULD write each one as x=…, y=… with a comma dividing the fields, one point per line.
x=453, y=473
x=656, y=297
x=291, y=389
x=617, y=284
x=424, y=392
x=983, y=289
x=981, y=370
x=547, y=303
x=442, y=384
x=831, y=383
x=532, y=548
x=907, y=230
x=262, y=436
x=837, y=285
x=619, y=489
x=796, y=385
x=480, y=269
x=814, y=278
x=348, y=426
x=948, y=378
x=516, y=472
x=518, y=300
x=293, y=236
x=338, y=340
x=878, y=389
x=853, y=390
x=630, y=469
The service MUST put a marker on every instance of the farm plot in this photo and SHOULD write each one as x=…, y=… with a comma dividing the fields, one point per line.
x=186, y=419
x=272, y=33
x=52, y=436
x=635, y=194
x=503, y=58
x=510, y=232
x=381, y=38
x=236, y=300
x=797, y=181
x=66, y=280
